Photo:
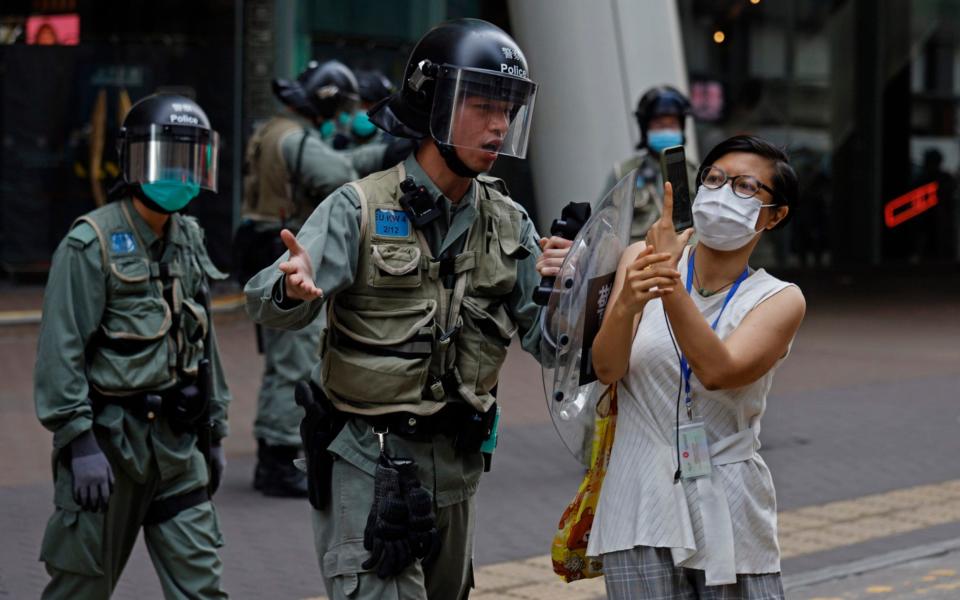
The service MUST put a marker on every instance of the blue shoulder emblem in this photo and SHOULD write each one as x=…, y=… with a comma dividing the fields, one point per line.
x=392, y=223
x=122, y=242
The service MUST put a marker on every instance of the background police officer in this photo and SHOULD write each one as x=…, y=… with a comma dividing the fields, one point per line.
x=661, y=114
x=289, y=169
x=374, y=86
x=128, y=376
x=426, y=282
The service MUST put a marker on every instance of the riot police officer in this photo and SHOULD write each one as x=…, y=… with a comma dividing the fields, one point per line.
x=289, y=169
x=661, y=115
x=427, y=271
x=374, y=86
x=369, y=147
x=128, y=375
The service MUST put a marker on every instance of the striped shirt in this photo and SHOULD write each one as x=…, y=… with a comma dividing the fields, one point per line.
x=639, y=503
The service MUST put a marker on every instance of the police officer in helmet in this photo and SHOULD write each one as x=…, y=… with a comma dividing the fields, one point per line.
x=288, y=170
x=374, y=86
x=426, y=270
x=128, y=375
x=661, y=115
x=320, y=93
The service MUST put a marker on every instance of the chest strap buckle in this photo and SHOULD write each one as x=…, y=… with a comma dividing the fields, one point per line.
x=445, y=337
x=446, y=386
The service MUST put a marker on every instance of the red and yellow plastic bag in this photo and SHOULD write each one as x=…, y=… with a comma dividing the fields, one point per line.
x=569, y=550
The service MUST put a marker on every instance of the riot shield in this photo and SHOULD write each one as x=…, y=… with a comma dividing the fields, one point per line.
x=573, y=314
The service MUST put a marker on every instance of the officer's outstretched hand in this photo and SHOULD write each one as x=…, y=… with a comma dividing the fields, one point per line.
x=298, y=270
x=555, y=249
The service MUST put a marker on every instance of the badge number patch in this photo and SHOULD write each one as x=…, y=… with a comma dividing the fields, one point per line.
x=392, y=223
x=122, y=242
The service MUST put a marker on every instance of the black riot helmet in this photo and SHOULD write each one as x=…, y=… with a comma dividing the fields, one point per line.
x=660, y=101
x=166, y=138
x=374, y=86
x=321, y=91
x=461, y=66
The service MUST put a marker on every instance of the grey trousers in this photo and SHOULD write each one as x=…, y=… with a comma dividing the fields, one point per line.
x=85, y=552
x=338, y=535
x=289, y=356
x=649, y=574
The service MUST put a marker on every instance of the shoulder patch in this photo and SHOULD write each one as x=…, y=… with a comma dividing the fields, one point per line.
x=82, y=235
x=122, y=242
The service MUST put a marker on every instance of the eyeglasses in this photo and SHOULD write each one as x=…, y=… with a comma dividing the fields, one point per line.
x=745, y=186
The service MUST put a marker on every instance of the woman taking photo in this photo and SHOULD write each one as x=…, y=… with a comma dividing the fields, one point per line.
x=694, y=335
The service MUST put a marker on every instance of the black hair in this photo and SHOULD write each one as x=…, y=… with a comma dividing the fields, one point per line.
x=785, y=183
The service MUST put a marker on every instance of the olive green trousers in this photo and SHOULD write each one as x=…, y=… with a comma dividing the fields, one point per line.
x=85, y=552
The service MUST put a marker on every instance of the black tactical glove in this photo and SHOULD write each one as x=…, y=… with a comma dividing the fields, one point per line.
x=424, y=536
x=92, y=475
x=218, y=462
x=387, y=535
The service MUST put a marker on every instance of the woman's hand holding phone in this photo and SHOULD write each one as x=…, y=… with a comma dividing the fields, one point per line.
x=662, y=235
x=649, y=276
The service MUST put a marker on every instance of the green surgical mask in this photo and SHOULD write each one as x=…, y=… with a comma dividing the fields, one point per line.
x=170, y=196
x=362, y=128
x=327, y=129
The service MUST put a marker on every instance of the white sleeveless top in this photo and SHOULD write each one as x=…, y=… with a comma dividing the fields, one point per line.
x=723, y=524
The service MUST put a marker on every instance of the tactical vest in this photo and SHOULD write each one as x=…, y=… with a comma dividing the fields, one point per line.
x=154, y=324
x=397, y=339
x=267, y=190
x=648, y=201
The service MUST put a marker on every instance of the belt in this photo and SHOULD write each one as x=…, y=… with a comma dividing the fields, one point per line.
x=448, y=421
x=719, y=556
x=147, y=406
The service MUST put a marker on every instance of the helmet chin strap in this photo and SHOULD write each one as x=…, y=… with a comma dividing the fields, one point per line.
x=449, y=154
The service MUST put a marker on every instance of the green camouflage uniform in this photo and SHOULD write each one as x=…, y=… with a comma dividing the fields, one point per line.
x=121, y=317
x=384, y=291
x=272, y=157
x=648, y=202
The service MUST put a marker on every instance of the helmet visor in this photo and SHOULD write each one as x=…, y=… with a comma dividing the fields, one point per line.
x=172, y=154
x=482, y=110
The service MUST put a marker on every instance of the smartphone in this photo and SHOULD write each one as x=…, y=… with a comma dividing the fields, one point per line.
x=673, y=165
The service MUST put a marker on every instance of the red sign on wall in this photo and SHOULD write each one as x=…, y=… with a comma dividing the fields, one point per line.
x=911, y=204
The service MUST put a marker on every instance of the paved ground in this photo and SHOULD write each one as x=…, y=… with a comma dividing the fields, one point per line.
x=862, y=435
x=934, y=577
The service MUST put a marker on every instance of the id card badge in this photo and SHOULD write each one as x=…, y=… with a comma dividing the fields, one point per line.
x=694, y=451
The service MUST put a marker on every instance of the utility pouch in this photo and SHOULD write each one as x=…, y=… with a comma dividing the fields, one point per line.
x=185, y=408
x=476, y=428
x=489, y=445
x=418, y=204
x=320, y=425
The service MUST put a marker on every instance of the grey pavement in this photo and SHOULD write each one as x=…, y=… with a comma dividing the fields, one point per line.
x=933, y=575
x=866, y=403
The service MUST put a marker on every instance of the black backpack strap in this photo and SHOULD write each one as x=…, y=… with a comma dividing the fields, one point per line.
x=295, y=177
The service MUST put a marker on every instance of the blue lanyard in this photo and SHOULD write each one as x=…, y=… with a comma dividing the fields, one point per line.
x=684, y=367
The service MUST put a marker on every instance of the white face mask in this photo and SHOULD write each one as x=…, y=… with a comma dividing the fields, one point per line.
x=723, y=220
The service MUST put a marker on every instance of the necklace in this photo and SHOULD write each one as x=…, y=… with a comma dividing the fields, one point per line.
x=705, y=292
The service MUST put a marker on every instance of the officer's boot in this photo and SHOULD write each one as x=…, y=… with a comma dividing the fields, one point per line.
x=275, y=474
